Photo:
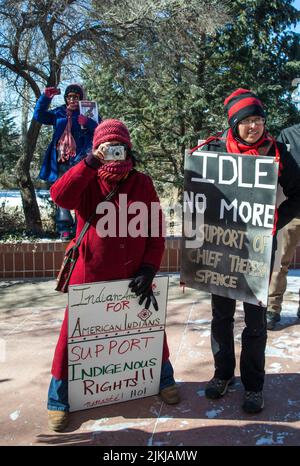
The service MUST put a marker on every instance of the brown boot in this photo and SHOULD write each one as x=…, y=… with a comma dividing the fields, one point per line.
x=170, y=395
x=58, y=420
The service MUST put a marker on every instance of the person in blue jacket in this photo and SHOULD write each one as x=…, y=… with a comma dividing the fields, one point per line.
x=71, y=141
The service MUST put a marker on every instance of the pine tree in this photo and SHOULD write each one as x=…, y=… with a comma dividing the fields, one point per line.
x=171, y=88
x=9, y=147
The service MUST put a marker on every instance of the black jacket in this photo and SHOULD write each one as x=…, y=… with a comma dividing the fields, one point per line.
x=291, y=137
x=289, y=178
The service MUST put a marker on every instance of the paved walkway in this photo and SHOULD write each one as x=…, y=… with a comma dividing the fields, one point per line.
x=31, y=314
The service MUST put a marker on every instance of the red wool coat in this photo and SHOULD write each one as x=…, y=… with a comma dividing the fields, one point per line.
x=104, y=258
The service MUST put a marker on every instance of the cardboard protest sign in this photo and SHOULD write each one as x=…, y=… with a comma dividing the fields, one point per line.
x=228, y=216
x=114, y=344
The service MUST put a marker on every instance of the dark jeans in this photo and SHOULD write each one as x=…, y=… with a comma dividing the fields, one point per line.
x=63, y=218
x=254, y=338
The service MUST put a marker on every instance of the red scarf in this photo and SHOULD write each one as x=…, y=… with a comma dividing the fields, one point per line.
x=66, y=145
x=115, y=171
x=235, y=146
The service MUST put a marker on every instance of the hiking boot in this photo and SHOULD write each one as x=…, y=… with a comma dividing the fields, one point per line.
x=253, y=402
x=170, y=395
x=216, y=388
x=57, y=420
x=272, y=319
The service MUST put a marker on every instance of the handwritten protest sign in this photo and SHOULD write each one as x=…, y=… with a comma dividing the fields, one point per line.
x=229, y=207
x=114, y=344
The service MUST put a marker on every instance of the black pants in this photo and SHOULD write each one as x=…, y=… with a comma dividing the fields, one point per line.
x=254, y=339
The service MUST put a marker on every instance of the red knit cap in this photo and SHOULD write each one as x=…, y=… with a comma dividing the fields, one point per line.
x=110, y=130
x=241, y=104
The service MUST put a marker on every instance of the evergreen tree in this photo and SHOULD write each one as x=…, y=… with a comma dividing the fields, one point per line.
x=9, y=147
x=170, y=90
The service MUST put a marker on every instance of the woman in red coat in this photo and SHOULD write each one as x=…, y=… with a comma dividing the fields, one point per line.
x=103, y=258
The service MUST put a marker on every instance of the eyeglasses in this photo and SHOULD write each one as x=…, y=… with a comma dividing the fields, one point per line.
x=73, y=96
x=248, y=122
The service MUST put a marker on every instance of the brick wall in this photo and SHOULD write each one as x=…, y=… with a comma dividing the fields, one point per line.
x=27, y=260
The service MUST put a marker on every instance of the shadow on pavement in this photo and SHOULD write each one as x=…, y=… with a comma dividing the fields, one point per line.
x=252, y=434
x=124, y=423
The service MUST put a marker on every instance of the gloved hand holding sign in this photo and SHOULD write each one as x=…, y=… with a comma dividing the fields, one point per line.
x=141, y=286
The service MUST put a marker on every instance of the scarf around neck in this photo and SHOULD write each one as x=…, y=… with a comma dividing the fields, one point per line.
x=66, y=145
x=115, y=171
x=260, y=147
x=236, y=146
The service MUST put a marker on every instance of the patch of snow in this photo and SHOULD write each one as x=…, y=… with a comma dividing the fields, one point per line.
x=14, y=416
x=213, y=413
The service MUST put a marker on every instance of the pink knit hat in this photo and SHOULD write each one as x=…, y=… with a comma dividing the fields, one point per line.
x=109, y=130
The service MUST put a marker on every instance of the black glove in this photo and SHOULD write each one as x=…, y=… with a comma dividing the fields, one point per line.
x=150, y=298
x=142, y=281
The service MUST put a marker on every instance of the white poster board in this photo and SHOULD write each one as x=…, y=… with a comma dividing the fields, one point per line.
x=114, y=344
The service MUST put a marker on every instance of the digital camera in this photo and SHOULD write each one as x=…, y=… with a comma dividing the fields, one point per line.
x=114, y=152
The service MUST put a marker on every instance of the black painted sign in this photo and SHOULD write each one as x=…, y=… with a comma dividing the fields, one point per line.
x=228, y=216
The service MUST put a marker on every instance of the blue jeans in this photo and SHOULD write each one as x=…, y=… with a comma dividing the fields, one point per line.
x=58, y=395
x=58, y=389
x=63, y=217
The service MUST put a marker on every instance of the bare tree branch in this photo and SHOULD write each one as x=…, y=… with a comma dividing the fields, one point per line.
x=19, y=72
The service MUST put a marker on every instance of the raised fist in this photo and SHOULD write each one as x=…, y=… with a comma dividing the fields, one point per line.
x=51, y=92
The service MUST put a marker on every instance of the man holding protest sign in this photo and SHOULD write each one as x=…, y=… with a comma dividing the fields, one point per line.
x=72, y=138
x=112, y=249
x=247, y=135
x=290, y=239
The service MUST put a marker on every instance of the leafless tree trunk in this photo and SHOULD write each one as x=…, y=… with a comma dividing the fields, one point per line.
x=38, y=37
x=29, y=139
